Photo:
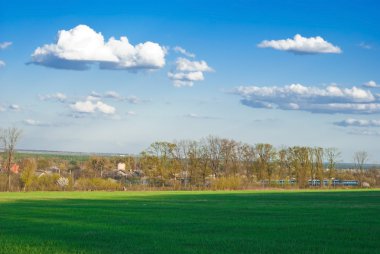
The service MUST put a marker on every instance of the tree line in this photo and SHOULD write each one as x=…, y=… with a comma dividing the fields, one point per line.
x=209, y=163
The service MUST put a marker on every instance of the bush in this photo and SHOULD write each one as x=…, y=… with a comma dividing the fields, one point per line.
x=45, y=183
x=93, y=184
x=226, y=183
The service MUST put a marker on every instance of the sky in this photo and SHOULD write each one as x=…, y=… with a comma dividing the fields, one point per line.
x=115, y=76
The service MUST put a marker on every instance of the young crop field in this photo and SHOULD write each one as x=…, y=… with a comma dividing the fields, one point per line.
x=190, y=222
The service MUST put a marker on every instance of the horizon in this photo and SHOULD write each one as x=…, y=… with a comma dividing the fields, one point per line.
x=94, y=78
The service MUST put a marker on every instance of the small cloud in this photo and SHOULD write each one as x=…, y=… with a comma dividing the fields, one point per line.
x=32, y=122
x=183, y=51
x=196, y=116
x=93, y=98
x=89, y=106
x=4, y=45
x=364, y=132
x=2, y=64
x=371, y=84
x=181, y=79
x=183, y=64
x=188, y=72
x=113, y=95
x=302, y=45
x=131, y=113
x=14, y=107
x=133, y=99
x=95, y=94
x=60, y=97
x=364, y=45
x=358, y=123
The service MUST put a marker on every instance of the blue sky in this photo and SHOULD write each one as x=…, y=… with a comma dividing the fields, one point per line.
x=283, y=72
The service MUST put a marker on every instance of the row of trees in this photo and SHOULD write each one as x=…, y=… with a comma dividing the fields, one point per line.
x=211, y=162
x=199, y=163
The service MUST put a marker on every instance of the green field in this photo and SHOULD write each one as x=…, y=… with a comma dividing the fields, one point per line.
x=190, y=222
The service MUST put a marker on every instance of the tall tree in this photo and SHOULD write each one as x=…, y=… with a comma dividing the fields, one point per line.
x=332, y=155
x=360, y=159
x=9, y=138
x=266, y=155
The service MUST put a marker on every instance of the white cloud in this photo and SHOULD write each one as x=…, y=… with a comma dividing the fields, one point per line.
x=183, y=64
x=81, y=46
x=371, y=84
x=4, y=45
x=183, y=51
x=188, y=72
x=365, y=45
x=57, y=97
x=350, y=122
x=181, y=79
x=92, y=98
x=113, y=95
x=364, y=132
x=14, y=107
x=89, y=106
x=133, y=99
x=196, y=116
x=330, y=99
x=105, y=108
x=2, y=64
x=302, y=45
x=131, y=113
x=33, y=122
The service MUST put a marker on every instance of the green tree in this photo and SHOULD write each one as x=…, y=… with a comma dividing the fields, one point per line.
x=9, y=138
x=28, y=167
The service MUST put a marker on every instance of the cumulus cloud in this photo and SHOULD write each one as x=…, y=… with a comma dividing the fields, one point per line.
x=302, y=45
x=89, y=106
x=55, y=97
x=371, y=84
x=81, y=46
x=183, y=64
x=183, y=51
x=330, y=99
x=4, y=45
x=351, y=122
x=188, y=72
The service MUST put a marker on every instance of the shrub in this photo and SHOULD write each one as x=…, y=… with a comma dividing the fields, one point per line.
x=93, y=184
x=45, y=183
x=226, y=183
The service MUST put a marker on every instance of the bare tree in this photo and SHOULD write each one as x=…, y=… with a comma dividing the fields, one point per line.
x=332, y=155
x=9, y=138
x=360, y=159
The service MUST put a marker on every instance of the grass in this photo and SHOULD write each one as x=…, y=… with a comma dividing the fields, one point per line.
x=190, y=222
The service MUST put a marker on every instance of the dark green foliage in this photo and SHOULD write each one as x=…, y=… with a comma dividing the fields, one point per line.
x=190, y=222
